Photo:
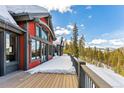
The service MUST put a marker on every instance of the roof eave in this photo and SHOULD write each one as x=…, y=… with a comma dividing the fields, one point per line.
x=9, y=26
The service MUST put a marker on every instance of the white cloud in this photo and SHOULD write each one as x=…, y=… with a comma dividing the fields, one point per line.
x=90, y=16
x=98, y=41
x=88, y=7
x=61, y=31
x=70, y=26
x=61, y=8
x=117, y=42
x=104, y=43
x=82, y=25
x=58, y=27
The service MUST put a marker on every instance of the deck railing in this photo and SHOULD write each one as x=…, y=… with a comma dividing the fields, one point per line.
x=86, y=77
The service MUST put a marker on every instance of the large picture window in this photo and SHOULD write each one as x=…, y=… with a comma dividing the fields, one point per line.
x=38, y=31
x=44, y=36
x=41, y=32
x=11, y=47
x=35, y=49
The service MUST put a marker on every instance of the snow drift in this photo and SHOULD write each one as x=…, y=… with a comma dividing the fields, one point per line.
x=61, y=64
x=112, y=78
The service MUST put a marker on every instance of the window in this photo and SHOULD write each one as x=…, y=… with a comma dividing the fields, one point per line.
x=44, y=34
x=44, y=52
x=50, y=49
x=38, y=49
x=38, y=31
x=11, y=47
x=35, y=49
x=41, y=32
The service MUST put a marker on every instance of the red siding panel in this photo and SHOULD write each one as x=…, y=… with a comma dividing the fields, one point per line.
x=31, y=28
x=21, y=65
x=34, y=63
x=44, y=20
x=32, y=32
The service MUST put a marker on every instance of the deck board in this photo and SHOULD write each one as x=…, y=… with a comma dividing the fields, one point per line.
x=42, y=80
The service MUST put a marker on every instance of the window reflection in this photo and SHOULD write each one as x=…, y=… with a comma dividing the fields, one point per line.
x=11, y=47
x=38, y=49
x=38, y=31
x=35, y=49
x=44, y=35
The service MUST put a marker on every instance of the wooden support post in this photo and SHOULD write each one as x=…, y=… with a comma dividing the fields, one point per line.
x=81, y=75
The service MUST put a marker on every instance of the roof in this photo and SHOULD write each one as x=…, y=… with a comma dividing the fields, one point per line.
x=26, y=9
x=7, y=19
x=14, y=13
x=5, y=15
x=31, y=12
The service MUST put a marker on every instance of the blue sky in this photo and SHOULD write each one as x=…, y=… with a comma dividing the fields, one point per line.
x=102, y=26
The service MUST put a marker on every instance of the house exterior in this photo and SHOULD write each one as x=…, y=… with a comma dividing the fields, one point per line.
x=32, y=38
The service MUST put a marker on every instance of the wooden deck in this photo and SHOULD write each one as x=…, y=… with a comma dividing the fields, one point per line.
x=41, y=80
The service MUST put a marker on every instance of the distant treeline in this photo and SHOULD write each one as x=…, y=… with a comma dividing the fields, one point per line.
x=112, y=59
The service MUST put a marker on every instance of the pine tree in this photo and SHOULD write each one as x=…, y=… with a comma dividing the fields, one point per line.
x=106, y=56
x=75, y=41
x=66, y=48
x=81, y=46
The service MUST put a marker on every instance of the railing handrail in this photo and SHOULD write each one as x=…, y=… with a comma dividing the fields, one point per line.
x=83, y=70
x=97, y=80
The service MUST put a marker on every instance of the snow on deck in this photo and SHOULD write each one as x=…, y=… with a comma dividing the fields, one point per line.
x=112, y=78
x=59, y=64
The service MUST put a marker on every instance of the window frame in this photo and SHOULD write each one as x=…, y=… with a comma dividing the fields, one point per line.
x=13, y=49
x=38, y=31
x=37, y=55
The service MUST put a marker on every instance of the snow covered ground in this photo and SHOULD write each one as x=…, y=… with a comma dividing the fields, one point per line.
x=112, y=78
x=59, y=64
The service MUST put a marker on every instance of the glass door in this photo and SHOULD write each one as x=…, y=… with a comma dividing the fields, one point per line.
x=43, y=50
x=11, y=52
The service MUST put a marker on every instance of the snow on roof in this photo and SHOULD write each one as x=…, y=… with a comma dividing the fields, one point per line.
x=5, y=15
x=17, y=9
x=114, y=79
